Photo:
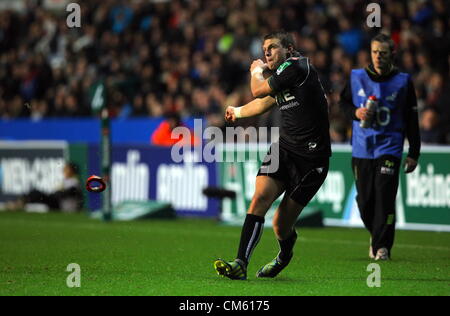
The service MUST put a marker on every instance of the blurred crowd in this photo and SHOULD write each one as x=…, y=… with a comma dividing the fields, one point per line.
x=192, y=56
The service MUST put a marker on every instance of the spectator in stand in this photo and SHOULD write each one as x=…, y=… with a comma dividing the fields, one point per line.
x=429, y=126
x=164, y=136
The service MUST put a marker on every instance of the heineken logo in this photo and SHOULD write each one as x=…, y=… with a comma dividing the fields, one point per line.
x=425, y=188
x=283, y=67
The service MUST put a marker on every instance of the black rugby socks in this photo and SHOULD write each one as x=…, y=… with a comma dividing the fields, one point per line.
x=286, y=247
x=251, y=233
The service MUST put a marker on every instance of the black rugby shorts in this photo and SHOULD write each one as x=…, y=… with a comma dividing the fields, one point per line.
x=302, y=176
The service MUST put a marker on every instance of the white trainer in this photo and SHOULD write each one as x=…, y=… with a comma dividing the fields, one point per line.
x=382, y=254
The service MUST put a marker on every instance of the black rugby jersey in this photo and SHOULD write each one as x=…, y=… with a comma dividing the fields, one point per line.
x=304, y=108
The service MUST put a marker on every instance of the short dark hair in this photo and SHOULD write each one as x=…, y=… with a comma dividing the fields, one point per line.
x=285, y=38
x=384, y=38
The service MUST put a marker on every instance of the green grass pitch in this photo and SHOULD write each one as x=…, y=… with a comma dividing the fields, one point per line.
x=174, y=258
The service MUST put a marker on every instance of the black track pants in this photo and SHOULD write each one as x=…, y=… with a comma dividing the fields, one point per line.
x=377, y=183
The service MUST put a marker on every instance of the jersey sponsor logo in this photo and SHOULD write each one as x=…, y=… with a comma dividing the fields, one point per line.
x=312, y=146
x=290, y=105
x=392, y=97
x=283, y=67
x=284, y=97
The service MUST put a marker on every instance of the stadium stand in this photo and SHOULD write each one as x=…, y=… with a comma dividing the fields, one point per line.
x=193, y=56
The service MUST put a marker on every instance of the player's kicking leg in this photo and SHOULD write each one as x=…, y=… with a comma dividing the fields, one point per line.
x=288, y=212
x=283, y=226
x=266, y=192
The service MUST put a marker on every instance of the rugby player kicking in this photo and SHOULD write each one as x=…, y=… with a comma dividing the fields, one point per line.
x=296, y=165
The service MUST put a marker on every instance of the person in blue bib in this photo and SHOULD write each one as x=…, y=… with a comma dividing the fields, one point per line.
x=379, y=132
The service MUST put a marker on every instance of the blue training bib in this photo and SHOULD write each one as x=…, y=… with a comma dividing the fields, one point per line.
x=387, y=133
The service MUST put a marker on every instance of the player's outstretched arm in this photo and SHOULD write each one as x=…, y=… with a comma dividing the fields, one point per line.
x=254, y=108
